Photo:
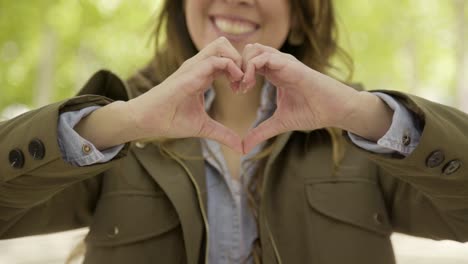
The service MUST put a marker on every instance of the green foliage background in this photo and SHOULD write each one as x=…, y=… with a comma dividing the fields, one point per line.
x=396, y=44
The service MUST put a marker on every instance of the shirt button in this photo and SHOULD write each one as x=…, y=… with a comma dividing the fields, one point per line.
x=451, y=166
x=113, y=232
x=36, y=149
x=406, y=140
x=16, y=158
x=435, y=159
x=86, y=148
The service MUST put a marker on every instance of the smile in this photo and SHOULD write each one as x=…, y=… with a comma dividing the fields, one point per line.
x=235, y=27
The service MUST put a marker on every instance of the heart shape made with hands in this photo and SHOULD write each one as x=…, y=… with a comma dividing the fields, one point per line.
x=306, y=99
x=293, y=81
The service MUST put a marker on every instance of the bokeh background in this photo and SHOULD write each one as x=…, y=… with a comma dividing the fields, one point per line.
x=49, y=48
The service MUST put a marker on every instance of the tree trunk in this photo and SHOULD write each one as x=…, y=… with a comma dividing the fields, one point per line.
x=461, y=55
x=45, y=78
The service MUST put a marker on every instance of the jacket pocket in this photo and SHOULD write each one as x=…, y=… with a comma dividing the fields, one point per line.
x=128, y=218
x=352, y=200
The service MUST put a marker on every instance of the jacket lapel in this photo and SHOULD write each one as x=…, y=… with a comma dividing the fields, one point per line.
x=280, y=142
x=192, y=156
x=187, y=193
x=269, y=251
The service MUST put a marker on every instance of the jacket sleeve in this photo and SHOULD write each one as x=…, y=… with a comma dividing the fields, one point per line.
x=404, y=123
x=39, y=191
x=427, y=191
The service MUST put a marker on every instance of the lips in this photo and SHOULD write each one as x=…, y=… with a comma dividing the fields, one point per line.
x=234, y=26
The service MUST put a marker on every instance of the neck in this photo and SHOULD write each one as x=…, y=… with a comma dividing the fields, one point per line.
x=237, y=112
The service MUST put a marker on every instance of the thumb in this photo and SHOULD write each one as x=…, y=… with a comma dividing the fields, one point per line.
x=267, y=129
x=216, y=131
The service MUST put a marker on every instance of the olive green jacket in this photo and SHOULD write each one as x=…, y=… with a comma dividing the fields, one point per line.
x=143, y=207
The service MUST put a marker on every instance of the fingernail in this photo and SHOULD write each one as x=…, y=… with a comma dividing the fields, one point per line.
x=239, y=88
x=235, y=88
x=243, y=85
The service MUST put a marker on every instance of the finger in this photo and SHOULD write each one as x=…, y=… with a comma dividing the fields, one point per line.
x=257, y=64
x=253, y=50
x=213, y=130
x=268, y=129
x=263, y=64
x=217, y=64
x=250, y=51
x=221, y=47
x=213, y=66
x=235, y=86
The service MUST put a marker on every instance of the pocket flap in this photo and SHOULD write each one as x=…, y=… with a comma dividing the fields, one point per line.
x=122, y=219
x=359, y=203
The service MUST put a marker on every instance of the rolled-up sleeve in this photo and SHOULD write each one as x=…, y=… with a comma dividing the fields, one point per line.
x=75, y=149
x=402, y=136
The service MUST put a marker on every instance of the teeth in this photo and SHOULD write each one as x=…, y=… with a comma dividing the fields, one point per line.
x=230, y=27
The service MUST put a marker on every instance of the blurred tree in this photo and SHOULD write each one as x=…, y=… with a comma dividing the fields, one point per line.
x=461, y=54
x=404, y=45
x=49, y=48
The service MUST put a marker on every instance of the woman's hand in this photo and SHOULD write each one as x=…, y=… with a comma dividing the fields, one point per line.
x=175, y=108
x=309, y=100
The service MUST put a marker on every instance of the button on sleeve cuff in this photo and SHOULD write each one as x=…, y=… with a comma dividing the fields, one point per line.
x=77, y=150
x=403, y=135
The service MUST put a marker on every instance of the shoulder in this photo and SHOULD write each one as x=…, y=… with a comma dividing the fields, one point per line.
x=106, y=83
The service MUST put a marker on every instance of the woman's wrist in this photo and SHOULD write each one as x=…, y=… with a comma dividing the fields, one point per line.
x=371, y=117
x=108, y=126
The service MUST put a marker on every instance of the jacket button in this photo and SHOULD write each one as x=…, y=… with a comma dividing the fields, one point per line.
x=378, y=218
x=113, y=232
x=451, y=166
x=36, y=149
x=16, y=158
x=406, y=140
x=435, y=159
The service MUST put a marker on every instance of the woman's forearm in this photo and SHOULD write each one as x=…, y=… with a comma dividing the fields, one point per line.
x=108, y=126
x=371, y=119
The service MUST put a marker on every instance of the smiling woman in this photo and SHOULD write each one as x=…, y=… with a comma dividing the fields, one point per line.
x=234, y=145
x=268, y=24
x=233, y=28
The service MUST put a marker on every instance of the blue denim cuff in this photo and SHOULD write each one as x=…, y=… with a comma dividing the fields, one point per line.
x=402, y=129
x=77, y=150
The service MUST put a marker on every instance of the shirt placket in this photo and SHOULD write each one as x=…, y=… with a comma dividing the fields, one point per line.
x=232, y=243
x=241, y=215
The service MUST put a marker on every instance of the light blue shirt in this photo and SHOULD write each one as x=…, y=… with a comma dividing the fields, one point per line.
x=232, y=225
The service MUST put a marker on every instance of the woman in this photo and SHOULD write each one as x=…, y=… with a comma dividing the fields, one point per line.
x=283, y=187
